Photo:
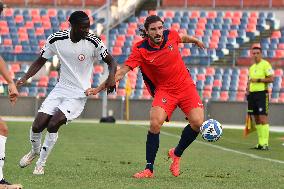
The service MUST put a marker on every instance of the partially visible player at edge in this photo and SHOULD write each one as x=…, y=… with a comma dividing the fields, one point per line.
x=169, y=82
x=13, y=95
x=77, y=49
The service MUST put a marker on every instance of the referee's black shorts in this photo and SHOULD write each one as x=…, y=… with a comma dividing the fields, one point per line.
x=258, y=103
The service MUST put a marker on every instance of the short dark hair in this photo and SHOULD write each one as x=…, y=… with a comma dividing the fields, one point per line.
x=256, y=48
x=149, y=20
x=78, y=17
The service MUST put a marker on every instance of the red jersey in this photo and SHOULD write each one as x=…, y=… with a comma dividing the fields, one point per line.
x=162, y=66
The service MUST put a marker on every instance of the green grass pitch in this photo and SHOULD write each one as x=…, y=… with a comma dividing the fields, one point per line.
x=107, y=155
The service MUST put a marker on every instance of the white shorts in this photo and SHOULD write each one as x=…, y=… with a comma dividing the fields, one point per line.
x=71, y=107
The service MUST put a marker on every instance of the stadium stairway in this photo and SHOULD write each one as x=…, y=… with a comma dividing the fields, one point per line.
x=235, y=54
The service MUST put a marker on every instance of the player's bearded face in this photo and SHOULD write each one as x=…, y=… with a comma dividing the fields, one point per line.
x=155, y=32
x=256, y=53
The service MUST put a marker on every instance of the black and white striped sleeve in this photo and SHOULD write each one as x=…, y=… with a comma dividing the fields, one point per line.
x=101, y=49
x=47, y=50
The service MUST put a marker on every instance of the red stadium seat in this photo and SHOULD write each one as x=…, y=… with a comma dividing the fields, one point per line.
x=34, y=11
x=215, y=38
x=8, y=12
x=217, y=83
x=120, y=37
x=185, y=52
x=233, y=33
x=19, y=19
x=4, y=30
x=131, y=32
x=254, y=14
x=210, y=71
x=212, y=14
x=240, y=96
x=3, y=23
x=18, y=49
x=39, y=31
x=276, y=34
x=29, y=24
x=53, y=74
x=15, y=67
x=119, y=43
x=224, y=96
x=213, y=45
x=206, y=94
x=52, y=12
x=199, y=32
x=201, y=77
x=279, y=53
x=228, y=14
x=7, y=42
x=64, y=25
x=237, y=14
x=236, y=21
x=251, y=27
x=252, y=20
x=169, y=14
x=152, y=12
x=45, y=18
x=195, y=14
x=278, y=72
x=216, y=33
x=98, y=69
x=116, y=51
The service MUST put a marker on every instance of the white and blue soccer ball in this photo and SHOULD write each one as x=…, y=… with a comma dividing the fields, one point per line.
x=211, y=130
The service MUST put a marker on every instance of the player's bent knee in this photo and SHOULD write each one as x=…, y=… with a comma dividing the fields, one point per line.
x=37, y=129
x=3, y=129
x=196, y=123
x=155, y=126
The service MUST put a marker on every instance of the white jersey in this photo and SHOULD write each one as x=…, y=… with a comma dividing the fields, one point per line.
x=76, y=61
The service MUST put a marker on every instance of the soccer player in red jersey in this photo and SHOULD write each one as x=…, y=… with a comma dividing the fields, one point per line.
x=13, y=96
x=170, y=84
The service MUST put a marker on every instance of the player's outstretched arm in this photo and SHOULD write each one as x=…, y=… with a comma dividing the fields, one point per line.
x=35, y=67
x=189, y=39
x=112, y=67
x=118, y=76
x=13, y=92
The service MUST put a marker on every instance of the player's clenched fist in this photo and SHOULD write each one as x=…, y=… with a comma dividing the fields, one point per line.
x=13, y=93
x=91, y=91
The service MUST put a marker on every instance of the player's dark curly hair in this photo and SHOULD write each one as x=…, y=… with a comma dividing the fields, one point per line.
x=78, y=17
x=149, y=20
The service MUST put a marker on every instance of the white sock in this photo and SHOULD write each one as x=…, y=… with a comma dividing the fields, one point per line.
x=2, y=154
x=49, y=141
x=35, y=139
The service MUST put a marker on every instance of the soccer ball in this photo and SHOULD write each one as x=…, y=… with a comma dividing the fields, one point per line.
x=211, y=130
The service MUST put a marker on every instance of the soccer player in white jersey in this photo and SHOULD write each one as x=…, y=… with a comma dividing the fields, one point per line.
x=13, y=95
x=76, y=49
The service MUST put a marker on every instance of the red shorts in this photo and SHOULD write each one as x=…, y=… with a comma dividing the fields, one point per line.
x=186, y=98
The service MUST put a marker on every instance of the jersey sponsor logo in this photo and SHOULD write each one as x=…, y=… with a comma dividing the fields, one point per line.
x=200, y=104
x=171, y=47
x=81, y=57
x=164, y=100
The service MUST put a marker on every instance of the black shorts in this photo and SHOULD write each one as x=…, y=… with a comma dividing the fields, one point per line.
x=258, y=103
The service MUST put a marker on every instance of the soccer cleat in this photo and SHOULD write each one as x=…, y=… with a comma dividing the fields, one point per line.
x=27, y=159
x=144, y=174
x=260, y=147
x=6, y=185
x=174, y=167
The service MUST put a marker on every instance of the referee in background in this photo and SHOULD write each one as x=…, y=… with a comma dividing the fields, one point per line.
x=260, y=75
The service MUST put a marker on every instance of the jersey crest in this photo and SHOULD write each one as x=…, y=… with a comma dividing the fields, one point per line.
x=81, y=57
